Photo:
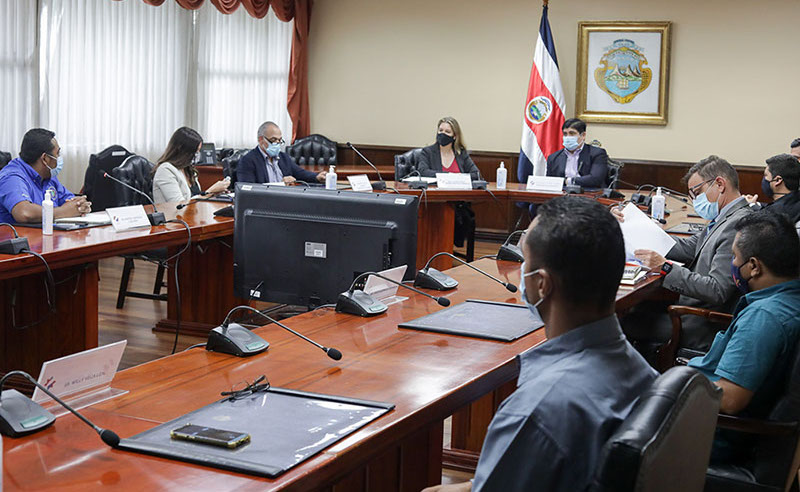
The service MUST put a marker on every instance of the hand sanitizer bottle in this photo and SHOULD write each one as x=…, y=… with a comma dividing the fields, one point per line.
x=502, y=176
x=657, y=205
x=330, y=179
x=47, y=214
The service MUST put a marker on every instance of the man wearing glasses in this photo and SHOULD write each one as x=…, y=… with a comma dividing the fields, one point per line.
x=25, y=180
x=704, y=278
x=267, y=163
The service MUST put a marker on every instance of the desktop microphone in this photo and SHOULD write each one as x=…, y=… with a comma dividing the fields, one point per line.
x=360, y=303
x=19, y=415
x=377, y=185
x=610, y=192
x=418, y=184
x=156, y=217
x=431, y=278
x=510, y=252
x=332, y=352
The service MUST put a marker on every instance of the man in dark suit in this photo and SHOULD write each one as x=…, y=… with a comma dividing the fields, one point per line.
x=268, y=164
x=580, y=163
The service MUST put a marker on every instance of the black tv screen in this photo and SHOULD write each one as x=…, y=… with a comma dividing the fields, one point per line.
x=304, y=246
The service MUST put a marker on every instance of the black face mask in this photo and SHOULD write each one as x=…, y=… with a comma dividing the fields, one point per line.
x=444, y=139
x=766, y=188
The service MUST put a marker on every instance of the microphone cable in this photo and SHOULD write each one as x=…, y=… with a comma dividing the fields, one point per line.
x=175, y=266
x=50, y=291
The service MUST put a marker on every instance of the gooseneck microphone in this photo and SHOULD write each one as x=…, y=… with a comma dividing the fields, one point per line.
x=332, y=352
x=156, y=217
x=378, y=185
x=360, y=303
x=31, y=417
x=431, y=278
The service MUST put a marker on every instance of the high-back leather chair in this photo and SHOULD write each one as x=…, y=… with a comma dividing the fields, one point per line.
x=614, y=167
x=229, y=164
x=137, y=172
x=5, y=158
x=665, y=443
x=313, y=150
x=98, y=190
x=775, y=457
x=406, y=163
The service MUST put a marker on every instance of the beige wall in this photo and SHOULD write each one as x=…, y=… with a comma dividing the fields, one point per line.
x=383, y=72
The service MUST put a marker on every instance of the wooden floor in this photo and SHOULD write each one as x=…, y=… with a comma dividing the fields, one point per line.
x=134, y=322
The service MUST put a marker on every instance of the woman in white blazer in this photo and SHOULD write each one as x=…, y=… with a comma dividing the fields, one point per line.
x=175, y=177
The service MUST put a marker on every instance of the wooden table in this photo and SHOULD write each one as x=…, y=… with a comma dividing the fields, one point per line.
x=428, y=376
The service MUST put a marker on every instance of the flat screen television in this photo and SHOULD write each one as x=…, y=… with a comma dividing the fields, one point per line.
x=304, y=246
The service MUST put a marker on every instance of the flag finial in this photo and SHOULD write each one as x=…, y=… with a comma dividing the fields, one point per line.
x=545, y=2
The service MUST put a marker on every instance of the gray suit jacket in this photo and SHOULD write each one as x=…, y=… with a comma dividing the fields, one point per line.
x=705, y=279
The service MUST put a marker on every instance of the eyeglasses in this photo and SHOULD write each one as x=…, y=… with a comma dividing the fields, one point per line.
x=245, y=389
x=693, y=191
x=275, y=140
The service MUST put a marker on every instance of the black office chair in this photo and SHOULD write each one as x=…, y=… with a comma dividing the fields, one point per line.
x=5, y=158
x=313, y=150
x=102, y=192
x=614, y=167
x=137, y=171
x=229, y=165
x=665, y=443
x=406, y=163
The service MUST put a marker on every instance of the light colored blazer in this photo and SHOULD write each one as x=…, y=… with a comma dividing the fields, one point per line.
x=705, y=279
x=170, y=184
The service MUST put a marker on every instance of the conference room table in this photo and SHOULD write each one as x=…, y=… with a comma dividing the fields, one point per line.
x=427, y=376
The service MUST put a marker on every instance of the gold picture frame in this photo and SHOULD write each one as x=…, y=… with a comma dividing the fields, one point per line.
x=623, y=72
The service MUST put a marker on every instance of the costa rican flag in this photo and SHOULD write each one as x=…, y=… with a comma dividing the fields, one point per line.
x=544, y=107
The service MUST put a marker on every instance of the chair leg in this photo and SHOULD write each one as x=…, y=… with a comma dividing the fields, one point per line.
x=123, y=282
x=471, y=245
x=159, y=279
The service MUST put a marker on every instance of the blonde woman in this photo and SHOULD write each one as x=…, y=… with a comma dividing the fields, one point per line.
x=448, y=154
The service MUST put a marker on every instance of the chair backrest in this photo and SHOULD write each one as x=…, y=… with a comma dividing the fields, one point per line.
x=98, y=190
x=136, y=171
x=406, y=163
x=665, y=443
x=614, y=167
x=5, y=158
x=775, y=458
x=313, y=150
x=229, y=164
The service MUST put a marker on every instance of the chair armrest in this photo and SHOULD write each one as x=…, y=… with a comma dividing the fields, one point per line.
x=713, y=316
x=756, y=426
x=668, y=351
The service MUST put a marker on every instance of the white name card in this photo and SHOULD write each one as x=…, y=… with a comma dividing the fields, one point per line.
x=453, y=181
x=545, y=184
x=360, y=182
x=276, y=183
x=125, y=218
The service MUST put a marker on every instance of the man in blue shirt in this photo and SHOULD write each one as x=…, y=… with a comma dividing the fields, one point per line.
x=575, y=388
x=25, y=180
x=750, y=360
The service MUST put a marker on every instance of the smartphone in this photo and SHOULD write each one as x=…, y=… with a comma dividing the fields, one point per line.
x=210, y=435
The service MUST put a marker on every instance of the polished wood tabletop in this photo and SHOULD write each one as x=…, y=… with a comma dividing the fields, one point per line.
x=428, y=376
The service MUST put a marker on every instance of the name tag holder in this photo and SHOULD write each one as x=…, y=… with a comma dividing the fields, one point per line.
x=545, y=184
x=126, y=218
x=360, y=182
x=453, y=181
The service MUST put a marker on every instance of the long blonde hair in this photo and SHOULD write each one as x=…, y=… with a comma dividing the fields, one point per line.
x=459, y=144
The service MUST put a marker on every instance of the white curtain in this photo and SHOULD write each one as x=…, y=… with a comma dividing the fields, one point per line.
x=17, y=71
x=112, y=73
x=242, y=75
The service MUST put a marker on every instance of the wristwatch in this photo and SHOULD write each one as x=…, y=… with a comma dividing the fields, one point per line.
x=666, y=268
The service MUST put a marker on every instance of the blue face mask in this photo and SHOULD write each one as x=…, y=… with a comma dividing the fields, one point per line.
x=274, y=149
x=704, y=208
x=534, y=308
x=570, y=142
x=741, y=282
x=59, y=166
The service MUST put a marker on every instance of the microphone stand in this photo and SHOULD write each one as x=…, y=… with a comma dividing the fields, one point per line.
x=156, y=217
x=430, y=278
x=377, y=185
x=360, y=303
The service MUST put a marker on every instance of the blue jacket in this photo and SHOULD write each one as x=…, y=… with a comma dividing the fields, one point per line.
x=592, y=166
x=252, y=168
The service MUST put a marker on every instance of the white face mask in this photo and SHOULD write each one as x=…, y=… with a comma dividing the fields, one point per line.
x=534, y=308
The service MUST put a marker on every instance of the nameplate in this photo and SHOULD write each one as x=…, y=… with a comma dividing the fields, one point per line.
x=453, y=181
x=545, y=184
x=360, y=182
x=125, y=218
x=276, y=183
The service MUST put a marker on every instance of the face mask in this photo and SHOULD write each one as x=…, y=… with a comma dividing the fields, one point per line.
x=59, y=166
x=274, y=149
x=444, y=139
x=534, y=308
x=741, y=282
x=704, y=208
x=570, y=142
x=766, y=188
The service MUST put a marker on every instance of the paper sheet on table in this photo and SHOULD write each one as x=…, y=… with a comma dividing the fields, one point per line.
x=640, y=232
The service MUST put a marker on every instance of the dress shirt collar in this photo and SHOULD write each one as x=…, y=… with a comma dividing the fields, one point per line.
x=604, y=331
x=728, y=207
x=790, y=287
x=29, y=170
x=576, y=151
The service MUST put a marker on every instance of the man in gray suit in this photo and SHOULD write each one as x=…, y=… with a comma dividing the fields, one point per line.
x=704, y=280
